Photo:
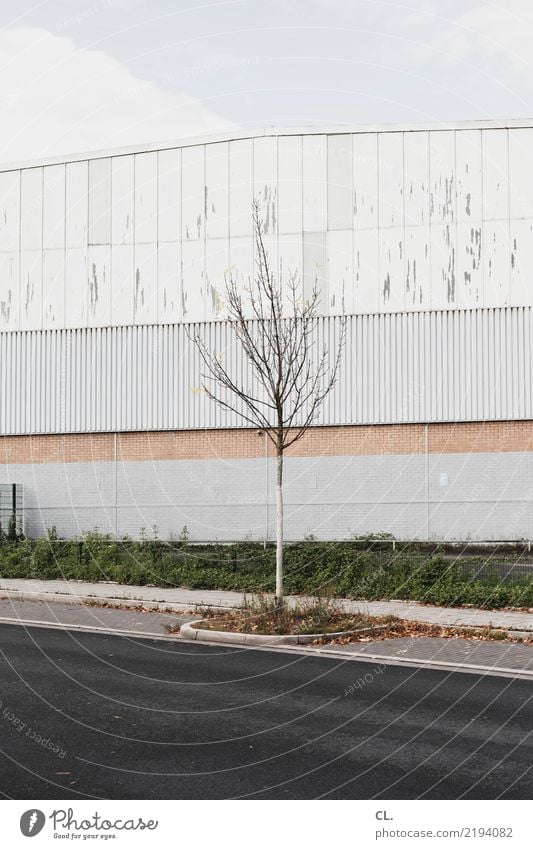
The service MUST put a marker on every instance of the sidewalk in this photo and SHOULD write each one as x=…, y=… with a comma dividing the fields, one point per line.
x=478, y=657
x=176, y=600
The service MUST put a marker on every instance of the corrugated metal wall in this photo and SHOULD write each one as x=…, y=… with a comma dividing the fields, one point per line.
x=382, y=221
x=436, y=366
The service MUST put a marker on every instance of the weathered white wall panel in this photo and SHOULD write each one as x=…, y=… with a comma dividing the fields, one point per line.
x=450, y=192
x=193, y=193
x=290, y=264
x=54, y=206
x=9, y=290
x=340, y=189
x=146, y=198
x=521, y=172
x=9, y=210
x=169, y=195
x=241, y=187
x=99, y=201
x=76, y=287
x=495, y=174
x=417, y=267
x=290, y=204
x=216, y=269
x=271, y=249
x=365, y=180
x=390, y=165
x=123, y=203
x=266, y=182
x=217, y=191
x=77, y=179
x=469, y=176
x=366, y=271
x=391, y=268
x=31, y=289
x=454, y=365
x=99, y=285
x=315, y=267
x=469, y=264
x=443, y=180
x=340, y=271
x=53, y=288
x=416, y=178
x=122, y=284
x=170, y=293
x=443, y=266
x=241, y=262
x=145, y=284
x=193, y=277
x=31, y=222
x=496, y=257
x=315, y=183
x=521, y=259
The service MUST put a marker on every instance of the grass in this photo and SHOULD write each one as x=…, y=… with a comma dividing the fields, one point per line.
x=325, y=617
x=413, y=630
x=261, y=615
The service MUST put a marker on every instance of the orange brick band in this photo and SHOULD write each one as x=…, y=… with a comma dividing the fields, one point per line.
x=360, y=440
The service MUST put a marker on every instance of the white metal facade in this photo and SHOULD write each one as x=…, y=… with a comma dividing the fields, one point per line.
x=454, y=365
x=384, y=221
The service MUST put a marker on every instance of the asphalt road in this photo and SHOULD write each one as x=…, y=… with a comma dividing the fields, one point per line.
x=87, y=715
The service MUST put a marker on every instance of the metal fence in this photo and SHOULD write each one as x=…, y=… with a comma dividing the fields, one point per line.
x=489, y=563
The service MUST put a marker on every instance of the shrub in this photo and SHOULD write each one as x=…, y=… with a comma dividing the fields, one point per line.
x=353, y=569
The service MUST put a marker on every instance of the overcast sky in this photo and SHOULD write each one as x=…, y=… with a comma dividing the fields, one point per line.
x=86, y=74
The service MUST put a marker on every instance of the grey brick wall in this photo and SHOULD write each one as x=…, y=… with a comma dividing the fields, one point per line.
x=452, y=496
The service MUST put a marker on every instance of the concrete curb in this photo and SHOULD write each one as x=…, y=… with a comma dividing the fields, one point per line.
x=138, y=603
x=86, y=629
x=191, y=631
x=188, y=631
x=98, y=601
x=314, y=651
x=428, y=663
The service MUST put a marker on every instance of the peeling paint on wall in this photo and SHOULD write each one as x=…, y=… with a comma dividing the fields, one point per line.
x=29, y=294
x=386, y=288
x=415, y=229
x=93, y=288
x=5, y=307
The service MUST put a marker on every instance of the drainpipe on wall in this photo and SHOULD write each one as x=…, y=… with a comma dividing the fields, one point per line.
x=426, y=443
x=116, y=483
x=267, y=496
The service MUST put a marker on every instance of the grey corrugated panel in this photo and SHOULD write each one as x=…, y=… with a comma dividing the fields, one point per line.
x=520, y=373
x=434, y=366
x=12, y=382
x=527, y=339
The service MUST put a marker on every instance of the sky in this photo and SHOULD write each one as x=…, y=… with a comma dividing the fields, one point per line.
x=82, y=75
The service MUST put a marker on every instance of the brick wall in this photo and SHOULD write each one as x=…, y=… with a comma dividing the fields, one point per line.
x=446, y=481
x=246, y=443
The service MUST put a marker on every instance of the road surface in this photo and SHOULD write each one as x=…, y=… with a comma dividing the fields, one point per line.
x=91, y=715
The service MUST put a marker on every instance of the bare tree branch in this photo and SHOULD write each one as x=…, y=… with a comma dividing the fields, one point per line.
x=285, y=378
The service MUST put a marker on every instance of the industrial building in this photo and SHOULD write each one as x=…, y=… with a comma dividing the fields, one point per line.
x=422, y=237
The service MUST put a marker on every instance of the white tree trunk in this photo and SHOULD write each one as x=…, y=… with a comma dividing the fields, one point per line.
x=279, y=528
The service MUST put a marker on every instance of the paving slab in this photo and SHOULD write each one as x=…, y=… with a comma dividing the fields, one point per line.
x=90, y=618
x=159, y=598
x=442, y=651
x=484, y=657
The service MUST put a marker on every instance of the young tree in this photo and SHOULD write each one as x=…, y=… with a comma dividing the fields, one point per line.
x=285, y=377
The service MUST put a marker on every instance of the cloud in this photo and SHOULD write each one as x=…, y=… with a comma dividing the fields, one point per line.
x=460, y=59
x=55, y=98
